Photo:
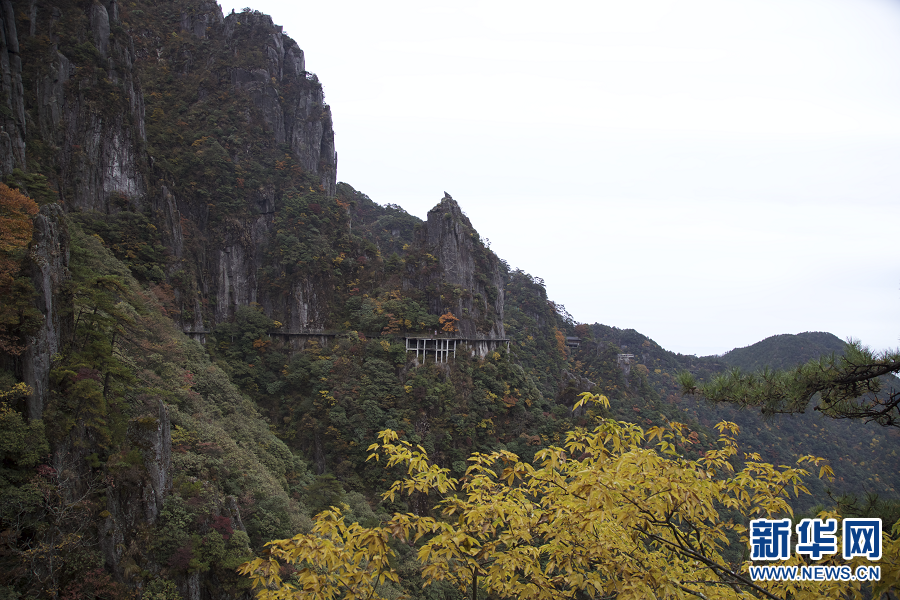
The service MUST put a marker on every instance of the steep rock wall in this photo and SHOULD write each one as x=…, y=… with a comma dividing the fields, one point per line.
x=93, y=115
x=466, y=279
x=304, y=123
x=290, y=102
x=49, y=274
x=80, y=110
x=12, y=97
x=135, y=502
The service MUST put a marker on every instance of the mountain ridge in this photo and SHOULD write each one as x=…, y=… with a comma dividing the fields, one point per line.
x=193, y=160
x=783, y=351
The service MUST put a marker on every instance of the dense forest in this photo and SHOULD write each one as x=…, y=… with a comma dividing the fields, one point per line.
x=202, y=332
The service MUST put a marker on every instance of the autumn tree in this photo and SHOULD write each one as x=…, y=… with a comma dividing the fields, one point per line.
x=17, y=316
x=858, y=384
x=615, y=512
x=448, y=322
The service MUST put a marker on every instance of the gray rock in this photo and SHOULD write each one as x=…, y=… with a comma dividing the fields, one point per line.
x=135, y=501
x=12, y=98
x=206, y=15
x=467, y=280
x=100, y=28
x=52, y=95
x=166, y=209
x=305, y=123
x=49, y=273
x=7, y=159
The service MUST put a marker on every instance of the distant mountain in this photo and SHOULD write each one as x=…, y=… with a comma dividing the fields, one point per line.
x=783, y=351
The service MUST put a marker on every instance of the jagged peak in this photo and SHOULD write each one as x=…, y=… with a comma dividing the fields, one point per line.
x=447, y=205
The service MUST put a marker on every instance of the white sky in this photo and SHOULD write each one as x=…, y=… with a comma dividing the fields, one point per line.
x=709, y=173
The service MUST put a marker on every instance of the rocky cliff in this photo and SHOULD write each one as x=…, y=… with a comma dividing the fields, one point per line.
x=192, y=174
x=458, y=272
x=175, y=111
x=49, y=274
x=199, y=147
x=113, y=105
x=12, y=96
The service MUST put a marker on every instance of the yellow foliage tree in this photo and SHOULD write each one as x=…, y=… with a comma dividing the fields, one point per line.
x=448, y=322
x=615, y=513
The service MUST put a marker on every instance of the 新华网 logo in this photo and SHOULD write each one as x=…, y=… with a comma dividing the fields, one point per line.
x=770, y=539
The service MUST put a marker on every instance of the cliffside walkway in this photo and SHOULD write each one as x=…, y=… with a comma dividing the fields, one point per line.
x=439, y=346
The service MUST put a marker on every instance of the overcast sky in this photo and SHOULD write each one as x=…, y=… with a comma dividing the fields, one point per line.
x=709, y=173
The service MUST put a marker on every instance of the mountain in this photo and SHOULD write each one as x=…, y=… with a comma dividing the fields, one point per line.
x=185, y=168
x=784, y=351
x=203, y=330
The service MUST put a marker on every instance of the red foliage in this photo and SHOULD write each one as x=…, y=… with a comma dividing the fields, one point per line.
x=209, y=449
x=181, y=558
x=46, y=471
x=16, y=210
x=223, y=526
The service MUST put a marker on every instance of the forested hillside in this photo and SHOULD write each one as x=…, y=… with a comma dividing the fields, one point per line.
x=865, y=456
x=202, y=331
x=783, y=351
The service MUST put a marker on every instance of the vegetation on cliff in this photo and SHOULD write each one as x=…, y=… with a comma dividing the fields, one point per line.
x=183, y=164
x=18, y=318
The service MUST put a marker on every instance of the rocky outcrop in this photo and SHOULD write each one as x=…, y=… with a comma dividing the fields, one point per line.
x=166, y=210
x=105, y=168
x=49, y=274
x=304, y=307
x=156, y=445
x=238, y=262
x=196, y=22
x=12, y=97
x=52, y=95
x=137, y=499
x=300, y=119
x=458, y=273
x=92, y=116
x=100, y=28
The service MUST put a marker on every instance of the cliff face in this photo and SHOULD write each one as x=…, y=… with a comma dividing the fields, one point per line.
x=89, y=95
x=211, y=127
x=466, y=278
x=135, y=502
x=118, y=106
x=12, y=97
x=49, y=274
x=303, y=124
x=100, y=128
x=193, y=158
